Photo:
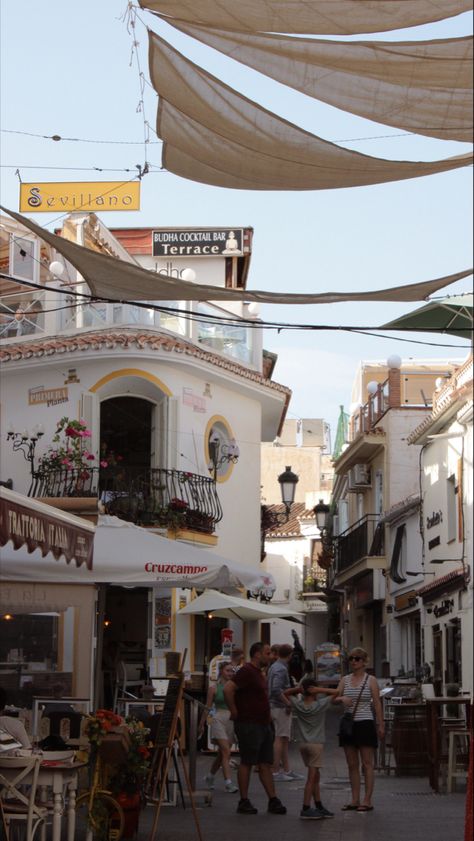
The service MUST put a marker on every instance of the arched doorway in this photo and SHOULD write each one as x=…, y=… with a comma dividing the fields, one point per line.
x=126, y=428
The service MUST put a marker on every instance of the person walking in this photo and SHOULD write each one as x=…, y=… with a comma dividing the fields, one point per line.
x=280, y=708
x=221, y=727
x=361, y=689
x=309, y=713
x=246, y=696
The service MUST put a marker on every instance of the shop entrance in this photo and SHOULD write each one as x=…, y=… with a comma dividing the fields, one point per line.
x=125, y=632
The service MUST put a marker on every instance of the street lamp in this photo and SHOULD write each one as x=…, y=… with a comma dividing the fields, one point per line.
x=221, y=453
x=288, y=482
x=25, y=443
x=321, y=511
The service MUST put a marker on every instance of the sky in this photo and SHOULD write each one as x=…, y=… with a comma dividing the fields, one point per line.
x=69, y=69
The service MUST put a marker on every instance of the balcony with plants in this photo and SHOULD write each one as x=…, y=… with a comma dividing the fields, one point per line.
x=162, y=498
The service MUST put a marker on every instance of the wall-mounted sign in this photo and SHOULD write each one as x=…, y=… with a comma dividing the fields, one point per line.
x=199, y=243
x=405, y=600
x=89, y=196
x=50, y=396
x=444, y=608
x=435, y=542
x=435, y=519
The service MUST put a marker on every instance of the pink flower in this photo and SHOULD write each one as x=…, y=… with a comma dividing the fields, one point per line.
x=86, y=433
x=90, y=457
x=104, y=463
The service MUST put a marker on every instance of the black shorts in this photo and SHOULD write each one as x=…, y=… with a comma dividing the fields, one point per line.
x=255, y=743
x=364, y=735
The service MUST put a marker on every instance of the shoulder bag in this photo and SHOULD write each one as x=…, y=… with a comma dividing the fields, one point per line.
x=346, y=724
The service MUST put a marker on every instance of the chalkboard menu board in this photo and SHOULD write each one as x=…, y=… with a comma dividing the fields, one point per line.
x=166, y=730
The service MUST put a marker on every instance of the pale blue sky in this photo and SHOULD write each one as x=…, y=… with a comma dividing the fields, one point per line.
x=65, y=70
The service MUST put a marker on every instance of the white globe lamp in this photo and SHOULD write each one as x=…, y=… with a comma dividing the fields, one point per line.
x=394, y=361
x=56, y=268
x=372, y=387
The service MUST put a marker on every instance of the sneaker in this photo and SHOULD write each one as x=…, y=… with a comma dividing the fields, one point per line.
x=282, y=777
x=326, y=813
x=230, y=787
x=245, y=807
x=209, y=780
x=311, y=815
x=293, y=775
x=276, y=807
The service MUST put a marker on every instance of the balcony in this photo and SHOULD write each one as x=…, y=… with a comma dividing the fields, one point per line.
x=156, y=497
x=359, y=548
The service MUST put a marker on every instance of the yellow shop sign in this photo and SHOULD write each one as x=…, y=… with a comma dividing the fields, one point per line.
x=86, y=196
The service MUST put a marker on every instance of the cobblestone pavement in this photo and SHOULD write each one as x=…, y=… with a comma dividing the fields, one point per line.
x=405, y=809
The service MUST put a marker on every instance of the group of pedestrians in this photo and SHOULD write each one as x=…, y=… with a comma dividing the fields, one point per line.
x=255, y=705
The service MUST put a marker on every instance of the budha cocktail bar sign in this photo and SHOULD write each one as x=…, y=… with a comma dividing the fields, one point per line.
x=24, y=525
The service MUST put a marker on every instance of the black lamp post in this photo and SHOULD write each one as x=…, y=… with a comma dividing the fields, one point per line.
x=321, y=511
x=288, y=482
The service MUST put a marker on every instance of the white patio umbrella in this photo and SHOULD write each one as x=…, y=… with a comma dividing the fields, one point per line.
x=232, y=607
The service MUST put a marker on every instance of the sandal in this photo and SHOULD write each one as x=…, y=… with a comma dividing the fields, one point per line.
x=350, y=807
x=364, y=808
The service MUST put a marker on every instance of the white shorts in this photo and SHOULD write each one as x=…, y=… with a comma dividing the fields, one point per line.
x=222, y=728
x=281, y=722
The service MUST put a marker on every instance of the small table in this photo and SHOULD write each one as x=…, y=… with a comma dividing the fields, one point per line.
x=56, y=777
x=433, y=708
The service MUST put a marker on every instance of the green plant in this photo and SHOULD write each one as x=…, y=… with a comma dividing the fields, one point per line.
x=70, y=453
x=131, y=774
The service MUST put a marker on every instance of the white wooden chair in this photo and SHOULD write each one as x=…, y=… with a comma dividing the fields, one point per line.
x=18, y=788
x=128, y=681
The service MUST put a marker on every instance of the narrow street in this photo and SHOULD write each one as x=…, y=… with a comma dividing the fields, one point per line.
x=404, y=808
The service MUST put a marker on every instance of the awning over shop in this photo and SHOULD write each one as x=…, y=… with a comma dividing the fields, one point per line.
x=43, y=530
x=231, y=607
x=130, y=556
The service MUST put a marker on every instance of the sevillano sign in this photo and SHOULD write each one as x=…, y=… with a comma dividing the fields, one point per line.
x=87, y=196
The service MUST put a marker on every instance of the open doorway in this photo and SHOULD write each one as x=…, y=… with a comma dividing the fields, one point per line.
x=126, y=430
x=126, y=623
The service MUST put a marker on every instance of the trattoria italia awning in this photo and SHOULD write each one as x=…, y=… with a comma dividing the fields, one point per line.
x=27, y=522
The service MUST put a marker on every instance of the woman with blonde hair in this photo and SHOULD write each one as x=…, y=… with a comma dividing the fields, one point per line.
x=360, y=694
x=221, y=726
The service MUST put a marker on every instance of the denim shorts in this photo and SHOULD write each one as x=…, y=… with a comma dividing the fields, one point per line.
x=255, y=743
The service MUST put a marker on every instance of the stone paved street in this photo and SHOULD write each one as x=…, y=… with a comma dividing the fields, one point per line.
x=405, y=810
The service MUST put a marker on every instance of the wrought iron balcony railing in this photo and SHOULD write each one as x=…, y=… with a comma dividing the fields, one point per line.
x=174, y=499
x=363, y=539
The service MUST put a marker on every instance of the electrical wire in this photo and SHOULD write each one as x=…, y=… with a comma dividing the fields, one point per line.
x=207, y=318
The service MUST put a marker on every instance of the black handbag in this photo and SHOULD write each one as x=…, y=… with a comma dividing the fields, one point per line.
x=346, y=722
x=346, y=726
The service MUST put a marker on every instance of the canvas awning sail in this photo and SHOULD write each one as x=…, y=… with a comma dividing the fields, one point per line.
x=311, y=17
x=215, y=135
x=43, y=530
x=420, y=86
x=113, y=279
x=130, y=556
x=232, y=607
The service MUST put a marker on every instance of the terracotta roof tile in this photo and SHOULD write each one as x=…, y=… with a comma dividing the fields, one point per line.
x=443, y=580
x=293, y=527
x=128, y=338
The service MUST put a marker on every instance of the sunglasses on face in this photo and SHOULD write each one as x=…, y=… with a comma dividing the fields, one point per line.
x=355, y=657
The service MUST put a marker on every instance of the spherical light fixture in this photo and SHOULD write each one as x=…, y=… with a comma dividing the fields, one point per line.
x=188, y=274
x=394, y=361
x=372, y=387
x=56, y=268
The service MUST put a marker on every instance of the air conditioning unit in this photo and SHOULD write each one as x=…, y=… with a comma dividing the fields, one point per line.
x=359, y=477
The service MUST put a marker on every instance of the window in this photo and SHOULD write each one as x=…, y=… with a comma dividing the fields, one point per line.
x=23, y=262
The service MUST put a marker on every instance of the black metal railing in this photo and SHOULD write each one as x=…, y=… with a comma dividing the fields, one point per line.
x=365, y=538
x=173, y=499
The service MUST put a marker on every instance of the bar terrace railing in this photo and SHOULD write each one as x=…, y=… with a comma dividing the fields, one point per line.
x=173, y=499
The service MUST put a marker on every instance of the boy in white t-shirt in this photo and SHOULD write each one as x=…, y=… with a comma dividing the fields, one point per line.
x=309, y=715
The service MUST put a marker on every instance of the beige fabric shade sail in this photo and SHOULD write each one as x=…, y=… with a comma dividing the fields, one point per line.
x=420, y=86
x=233, y=607
x=310, y=17
x=113, y=279
x=214, y=135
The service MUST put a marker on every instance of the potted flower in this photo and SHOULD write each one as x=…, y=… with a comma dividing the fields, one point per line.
x=128, y=781
x=69, y=457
